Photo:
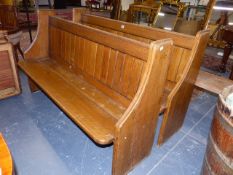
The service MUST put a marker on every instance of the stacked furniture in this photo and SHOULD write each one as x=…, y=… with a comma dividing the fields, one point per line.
x=149, y=7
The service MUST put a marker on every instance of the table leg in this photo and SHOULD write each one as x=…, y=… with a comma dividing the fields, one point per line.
x=227, y=52
x=231, y=75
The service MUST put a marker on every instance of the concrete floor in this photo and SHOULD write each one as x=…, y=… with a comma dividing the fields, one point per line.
x=44, y=141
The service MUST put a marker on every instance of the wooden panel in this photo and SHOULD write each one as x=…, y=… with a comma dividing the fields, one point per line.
x=143, y=32
x=131, y=47
x=114, y=69
x=9, y=81
x=184, y=62
x=6, y=73
x=90, y=57
x=111, y=67
x=135, y=131
x=99, y=61
x=67, y=47
x=175, y=62
x=118, y=71
x=105, y=64
x=178, y=100
x=40, y=46
x=134, y=79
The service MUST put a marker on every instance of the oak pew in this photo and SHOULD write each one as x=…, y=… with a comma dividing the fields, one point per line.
x=186, y=57
x=107, y=84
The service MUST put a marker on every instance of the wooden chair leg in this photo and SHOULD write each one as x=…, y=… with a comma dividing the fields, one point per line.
x=20, y=50
x=15, y=53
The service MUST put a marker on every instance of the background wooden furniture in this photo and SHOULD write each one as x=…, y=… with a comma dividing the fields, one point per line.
x=212, y=83
x=173, y=11
x=194, y=25
x=228, y=38
x=219, y=153
x=186, y=59
x=150, y=8
x=9, y=81
x=6, y=162
x=108, y=4
x=109, y=88
x=91, y=3
x=9, y=22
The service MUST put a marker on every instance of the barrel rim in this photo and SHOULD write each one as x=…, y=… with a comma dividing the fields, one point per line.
x=223, y=107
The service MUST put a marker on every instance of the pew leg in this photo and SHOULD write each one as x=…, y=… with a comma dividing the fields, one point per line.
x=132, y=145
x=20, y=50
x=33, y=87
x=16, y=54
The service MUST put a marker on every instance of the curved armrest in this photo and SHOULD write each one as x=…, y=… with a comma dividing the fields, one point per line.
x=40, y=46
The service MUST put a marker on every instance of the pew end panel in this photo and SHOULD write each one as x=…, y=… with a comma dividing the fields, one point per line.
x=179, y=99
x=135, y=130
x=40, y=45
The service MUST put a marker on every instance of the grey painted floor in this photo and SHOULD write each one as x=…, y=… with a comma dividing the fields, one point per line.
x=43, y=141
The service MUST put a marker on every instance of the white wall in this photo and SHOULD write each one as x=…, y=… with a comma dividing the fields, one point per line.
x=44, y=2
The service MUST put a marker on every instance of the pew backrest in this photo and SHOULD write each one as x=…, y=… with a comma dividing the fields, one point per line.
x=114, y=64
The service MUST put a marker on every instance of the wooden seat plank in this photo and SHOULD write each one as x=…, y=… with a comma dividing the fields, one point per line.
x=212, y=83
x=92, y=118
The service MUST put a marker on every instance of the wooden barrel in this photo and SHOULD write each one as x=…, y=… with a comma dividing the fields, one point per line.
x=219, y=154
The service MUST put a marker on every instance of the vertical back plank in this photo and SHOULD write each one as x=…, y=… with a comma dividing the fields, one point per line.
x=118, y=71
x=80, y=53
x=90, y=57
x=105, y=64
x=72, y=51
x=184, y=60
x=111, y=67
x=175, y=61
x=126, y=72
x=99, y=61
x=135, y=76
